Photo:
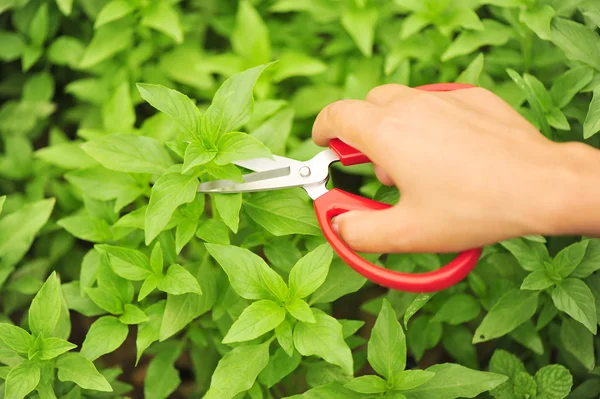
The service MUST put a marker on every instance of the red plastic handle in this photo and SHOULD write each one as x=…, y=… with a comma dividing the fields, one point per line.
x=336, y=202
x=351, y=156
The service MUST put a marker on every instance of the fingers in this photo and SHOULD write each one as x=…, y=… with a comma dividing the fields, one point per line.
x=383, y=176
x=402, y=229
x=352, y=121
x=385, y=94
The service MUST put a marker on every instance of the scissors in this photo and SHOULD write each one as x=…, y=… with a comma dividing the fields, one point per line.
x=313, y=175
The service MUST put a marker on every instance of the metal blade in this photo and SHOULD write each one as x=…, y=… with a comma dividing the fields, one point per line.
x=265, y=164
x=296, y=174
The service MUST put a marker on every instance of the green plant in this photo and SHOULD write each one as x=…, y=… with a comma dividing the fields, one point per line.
x=115, y=110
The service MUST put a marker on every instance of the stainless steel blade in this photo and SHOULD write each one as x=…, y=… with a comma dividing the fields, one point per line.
x=312, y=173
x=265, y=164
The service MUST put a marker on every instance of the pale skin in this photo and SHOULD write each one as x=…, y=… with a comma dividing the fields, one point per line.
x=470, y=169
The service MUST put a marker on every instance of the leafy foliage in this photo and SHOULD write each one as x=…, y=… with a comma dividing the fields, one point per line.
x=113, y=111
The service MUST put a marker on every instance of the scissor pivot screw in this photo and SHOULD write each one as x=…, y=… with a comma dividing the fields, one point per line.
x=305, y=171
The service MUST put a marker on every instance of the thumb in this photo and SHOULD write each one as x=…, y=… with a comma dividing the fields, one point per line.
x=394, y=230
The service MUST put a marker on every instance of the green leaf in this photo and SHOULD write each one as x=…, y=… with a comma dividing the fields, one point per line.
x=530, y=254
x=341, y=280
x=538, y=19
x=553, y=381
x=248, y=273
x=232, y=104
x=280, y=365
x=495, y=34
x=182, y=309
x=387, y=345
x=250, y=37
x=15, y=338
x=282, y=213
x=417, y=303
x=457, y=343
x=573, y=297
x=44, y=311
x=54, y=347
x=455, y=381
x=512, y=309
x=527, y=336
x=238, y=146
x=537, y=281
x=129, y=153
x=196, y=155
x=579, y=342
x=257, y=319
x=173, y=103
x=275, y=131
x=569, y=258
x=590, y=262
x=118, y=114
x=105, y=185
x=156, y=259
x=213, y=231
x=472, y=72
x=162, y=17
x=105, y=300
x=76, y=368
x=525, y=385
x=367, y=384
x=459, y=309
x=169, y=191
x=533, y=98
x=107, y=41
x=333, y=390
x=294, y=63
x=179, y=281
x=410, y=379
x=237, y=371
x=323, y=339
x=162, y=378
x=38, y=28
x=21, y=380
x=86, y=227
x=567, y=85
x=149, y=331
x=104, y=336
x=360, y=25
x=309, y=273
x=503, y=362
x=132, y=315
x=578, y=42
x=229, y=206
x=184, y=233
x=591, y=125
x=2, y=201
x=126, y=262
x=18, y=229
x=300, y=310
x=113, y=10
x=283, y=333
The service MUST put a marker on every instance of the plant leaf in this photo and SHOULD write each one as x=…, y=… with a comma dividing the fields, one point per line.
x=512, y=309
x=169, y=192
x=323, y=339
x=104, y=336
x=573, y=297
x=367, y=384
x=309, y=273
x=300, y=310
x=76, y=368
x=248, y=274
x=132, y=315
x=21, y=380
x=179, y=281
x=129, y=153
x=257, y=319
x=591, y=125
x=237, y=371
x=387, y=345
x=44, y=311
x=238, y=146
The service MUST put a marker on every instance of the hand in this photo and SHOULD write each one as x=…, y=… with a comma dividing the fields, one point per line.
x=470, y=169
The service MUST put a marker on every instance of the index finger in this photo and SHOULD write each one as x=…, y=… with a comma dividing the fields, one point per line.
x=352, y=121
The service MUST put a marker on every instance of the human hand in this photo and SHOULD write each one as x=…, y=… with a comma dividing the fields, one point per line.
x=470, y=169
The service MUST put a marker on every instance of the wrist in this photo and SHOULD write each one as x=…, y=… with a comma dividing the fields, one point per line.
x=570, y=191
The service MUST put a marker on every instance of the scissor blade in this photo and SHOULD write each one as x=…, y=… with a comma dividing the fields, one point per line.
x=265, y=164
x=254, y=182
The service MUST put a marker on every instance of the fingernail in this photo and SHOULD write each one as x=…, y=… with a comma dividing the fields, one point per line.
x=335, y=227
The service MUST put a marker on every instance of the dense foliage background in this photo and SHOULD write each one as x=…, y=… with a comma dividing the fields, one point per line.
x=118, y=280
